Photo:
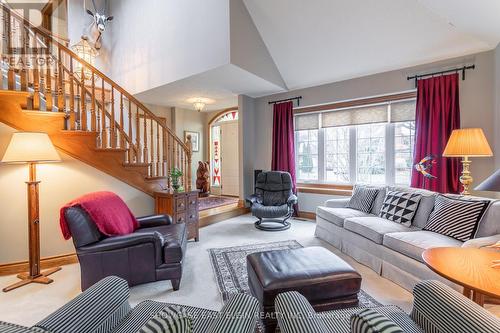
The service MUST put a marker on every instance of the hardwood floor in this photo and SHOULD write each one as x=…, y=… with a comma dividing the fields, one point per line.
x=218, y=214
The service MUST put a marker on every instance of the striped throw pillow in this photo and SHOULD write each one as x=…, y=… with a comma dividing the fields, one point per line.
x=370, y=321
x=172, y=319
x=456, y=218
x=362, y=198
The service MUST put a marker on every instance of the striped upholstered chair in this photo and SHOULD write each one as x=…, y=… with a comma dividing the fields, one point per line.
x=104, y=307
x=436, y=309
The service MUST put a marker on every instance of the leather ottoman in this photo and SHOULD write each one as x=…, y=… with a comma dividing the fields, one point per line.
x=327, y=281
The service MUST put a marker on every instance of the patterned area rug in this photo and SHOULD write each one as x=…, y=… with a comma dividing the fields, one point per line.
x=230, y=268
x=214, y=201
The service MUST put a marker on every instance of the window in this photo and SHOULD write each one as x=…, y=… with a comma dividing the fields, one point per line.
x=370, y=144
x=307, y=154
x=337, y=154
x=366, y=144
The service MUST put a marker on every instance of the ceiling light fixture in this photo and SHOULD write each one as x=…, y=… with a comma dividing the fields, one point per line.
x=199, y=103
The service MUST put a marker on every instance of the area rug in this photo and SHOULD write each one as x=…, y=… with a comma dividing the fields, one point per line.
x=230, y=268
x=215, y=201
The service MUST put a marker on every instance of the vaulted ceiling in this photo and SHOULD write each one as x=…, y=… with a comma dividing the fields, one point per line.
x=321, y=41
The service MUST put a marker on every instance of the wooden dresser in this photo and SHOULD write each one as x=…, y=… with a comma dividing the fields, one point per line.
x=182, y=206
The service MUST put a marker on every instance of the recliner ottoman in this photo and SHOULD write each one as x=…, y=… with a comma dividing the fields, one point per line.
x=327, y=281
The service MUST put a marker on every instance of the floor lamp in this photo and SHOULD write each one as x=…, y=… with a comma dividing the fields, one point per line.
x=32, y=148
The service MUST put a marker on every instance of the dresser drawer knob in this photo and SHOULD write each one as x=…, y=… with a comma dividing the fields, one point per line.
x=192, y=202
x=192, y=216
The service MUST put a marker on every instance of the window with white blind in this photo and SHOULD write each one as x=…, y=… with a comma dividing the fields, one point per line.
x=367, y=144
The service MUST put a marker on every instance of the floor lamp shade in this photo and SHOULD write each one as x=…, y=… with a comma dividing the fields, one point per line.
x=492, y=183
x=32, y=148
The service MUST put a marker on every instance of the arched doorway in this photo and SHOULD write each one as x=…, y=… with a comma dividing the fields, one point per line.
x=224, y=153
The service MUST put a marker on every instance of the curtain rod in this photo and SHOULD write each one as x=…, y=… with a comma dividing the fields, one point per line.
x=298, y=98
x=456, y=70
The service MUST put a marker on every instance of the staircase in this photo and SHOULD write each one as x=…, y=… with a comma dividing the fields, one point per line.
x=86, y=114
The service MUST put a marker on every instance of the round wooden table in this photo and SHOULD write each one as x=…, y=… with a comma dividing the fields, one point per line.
x=468, y=267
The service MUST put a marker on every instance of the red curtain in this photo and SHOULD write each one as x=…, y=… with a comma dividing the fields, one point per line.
x=437, y=114
x=283, y=158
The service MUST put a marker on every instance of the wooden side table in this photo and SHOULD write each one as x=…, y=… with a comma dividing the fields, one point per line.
x=468, y=267
x=182, y=206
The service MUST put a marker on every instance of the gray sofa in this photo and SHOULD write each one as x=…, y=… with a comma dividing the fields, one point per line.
x=391, y=249
x=436, y=309
x=104, y=308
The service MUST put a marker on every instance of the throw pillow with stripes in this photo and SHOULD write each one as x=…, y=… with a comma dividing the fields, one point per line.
x=370, y=321
x=456, y=218
x=172, y=319
x=362, y=198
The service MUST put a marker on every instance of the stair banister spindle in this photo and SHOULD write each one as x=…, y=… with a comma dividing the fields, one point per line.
x=130, y=147
x=112, y=120
x=146, y=155
x=10, y=73
x=122, y=119
x=61, y=100
x=72, y=117
x=93, y=115
x=158, y=150
x=83, y=107
x=104, y=130
x=140, y=156
x=48, y=84
x=26, y=45
x=152, y=147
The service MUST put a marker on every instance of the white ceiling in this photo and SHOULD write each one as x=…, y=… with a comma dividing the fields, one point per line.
x=322, y=41
x=222, y=84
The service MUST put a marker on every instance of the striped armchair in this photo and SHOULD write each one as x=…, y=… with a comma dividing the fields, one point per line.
x=104, y=308
x=436, y=309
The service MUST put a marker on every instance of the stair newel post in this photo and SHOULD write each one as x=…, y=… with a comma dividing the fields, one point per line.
x=93, y=114
x=83, y=105
x=189, y=154
x=104, y=131
x=48, y=84
x=72, y=118
x=112, y=120
x=139, y=155
x=122, y=128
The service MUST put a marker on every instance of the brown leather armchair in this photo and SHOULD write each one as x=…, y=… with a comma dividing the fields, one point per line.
x=153, y=252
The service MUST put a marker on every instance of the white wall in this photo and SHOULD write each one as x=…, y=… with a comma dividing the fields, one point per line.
x=60, y=182
x=164, y=41
x=190, y=120
x=476, y=101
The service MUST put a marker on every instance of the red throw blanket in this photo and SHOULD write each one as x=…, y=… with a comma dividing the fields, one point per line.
x=108, y=211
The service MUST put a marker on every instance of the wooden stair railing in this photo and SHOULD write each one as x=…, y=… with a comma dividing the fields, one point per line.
x=92, y=102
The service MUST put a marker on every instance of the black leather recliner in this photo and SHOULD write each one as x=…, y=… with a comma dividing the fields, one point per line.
x=153, y=252
x=273, y=200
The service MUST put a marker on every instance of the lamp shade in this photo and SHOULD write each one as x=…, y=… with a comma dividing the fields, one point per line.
x=30, y=147
x=469, y=142
x=492, y=183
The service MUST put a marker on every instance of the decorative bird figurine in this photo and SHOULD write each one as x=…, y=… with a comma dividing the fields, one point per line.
x=425, y=166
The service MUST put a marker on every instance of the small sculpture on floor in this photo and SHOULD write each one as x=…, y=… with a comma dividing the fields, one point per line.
x=203, y=178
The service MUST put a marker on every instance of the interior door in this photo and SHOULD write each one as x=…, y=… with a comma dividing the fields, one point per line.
x=230, y=159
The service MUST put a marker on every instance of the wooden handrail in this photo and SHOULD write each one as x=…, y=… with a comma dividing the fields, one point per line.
x=71, y=87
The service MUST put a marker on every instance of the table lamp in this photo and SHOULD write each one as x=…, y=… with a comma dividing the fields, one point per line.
x=32, y=148
x=465, y=143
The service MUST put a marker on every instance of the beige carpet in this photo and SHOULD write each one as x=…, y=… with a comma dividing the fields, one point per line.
x=27, y=305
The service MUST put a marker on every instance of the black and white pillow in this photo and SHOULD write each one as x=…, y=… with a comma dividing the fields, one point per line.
x=172, y=319
x=362, y=198
x=371, y=321
x=400, y=207
x=456, y=218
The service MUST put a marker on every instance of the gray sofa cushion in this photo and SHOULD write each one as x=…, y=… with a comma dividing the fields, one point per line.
x=379, y=200
x=373, y=228
x=269, y=212
x=338, y=215
x=490, y=223
x=413, y=243
x=425, y=206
